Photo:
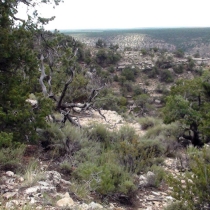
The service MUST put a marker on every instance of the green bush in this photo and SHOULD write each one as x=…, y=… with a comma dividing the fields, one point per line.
x=153, y=73
x=5, y=139
x=105, y=175
x=128, y=73
x=137, y=155
x=148, y=122
x=160, y=175
x=193, y=188
x=166, y=76
x=179, y=69
x=166, y=135
x=176, y=205
x=162, y=89
x=11, y=157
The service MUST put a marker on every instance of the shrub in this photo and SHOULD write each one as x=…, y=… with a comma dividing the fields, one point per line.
x=162, y=89
x=136, y=155
x=32, y=174
x=176, y=205
x=144, y=52
x=159, y=177
x=195, y=192
x=137, y=91
x=153, y=73
x=148, y=122
x=5, y=139
x=11, y=157
x=105, y=175
x=128, y=73
x=62, y=141
x=116, y=78
x=179, y=69
x=179, y=53
x=166, y=135
x=166, y=76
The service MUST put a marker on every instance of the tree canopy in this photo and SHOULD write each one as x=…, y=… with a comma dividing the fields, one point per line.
x=188, y=103
x=41, y=63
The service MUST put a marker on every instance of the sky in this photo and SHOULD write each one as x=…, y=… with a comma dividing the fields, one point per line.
x=124, y=14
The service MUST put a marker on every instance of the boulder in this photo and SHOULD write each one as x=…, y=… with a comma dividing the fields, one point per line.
x=67, y=201
x=10, y=174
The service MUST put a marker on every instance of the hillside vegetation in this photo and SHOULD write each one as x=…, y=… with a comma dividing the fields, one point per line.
x=99, y=127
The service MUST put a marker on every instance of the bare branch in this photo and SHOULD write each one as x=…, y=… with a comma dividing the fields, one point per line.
x=65, y=89
x=43, y=75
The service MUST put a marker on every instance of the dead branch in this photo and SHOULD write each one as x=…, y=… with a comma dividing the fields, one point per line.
x=42, y=77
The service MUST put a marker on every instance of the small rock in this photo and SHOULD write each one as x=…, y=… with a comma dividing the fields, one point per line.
x=9, y=205
x=169, y=198
x=149, y=174
x=10, y=181
x=31, y=190
x=21, y=179
x=66, y=195
x=43, y=183
x=10, y=173
x=65, y=202
x=157, y=101
x=32, y=201
x=94, y=205
x=155, y=193
x=183, y=181
x=65, y=182
x=9, y=195
x=54, y=177
x=16, y=202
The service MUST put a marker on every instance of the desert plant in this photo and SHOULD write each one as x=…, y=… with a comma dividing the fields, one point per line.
x=11, y=157
x=148, y=122
x=166, y=76
x=160, y=175
x=192, y=188
x=176, y=205
x=32, y=174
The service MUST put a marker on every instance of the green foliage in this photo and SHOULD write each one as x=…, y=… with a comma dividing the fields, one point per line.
x=128, y=73
x=188, y=103
x=166, y=135
x=160, y=176
x=166, y=76
x=19, y=72
x=162, y=89
x=148, y=122
x=153, y=73
x=144, y=52
x=114, y=47
x=197, y=55
x=11, y=157
x=108, y=101
x=101, y=43
x=179, y=53
x=143, y=104
x=191, y=64
x=116, y=78
x=192, y=188
x=106, y=57
x=176, y=205
x=106, y=176
x=137, y=90
x=179, y=69
x=5, y=139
